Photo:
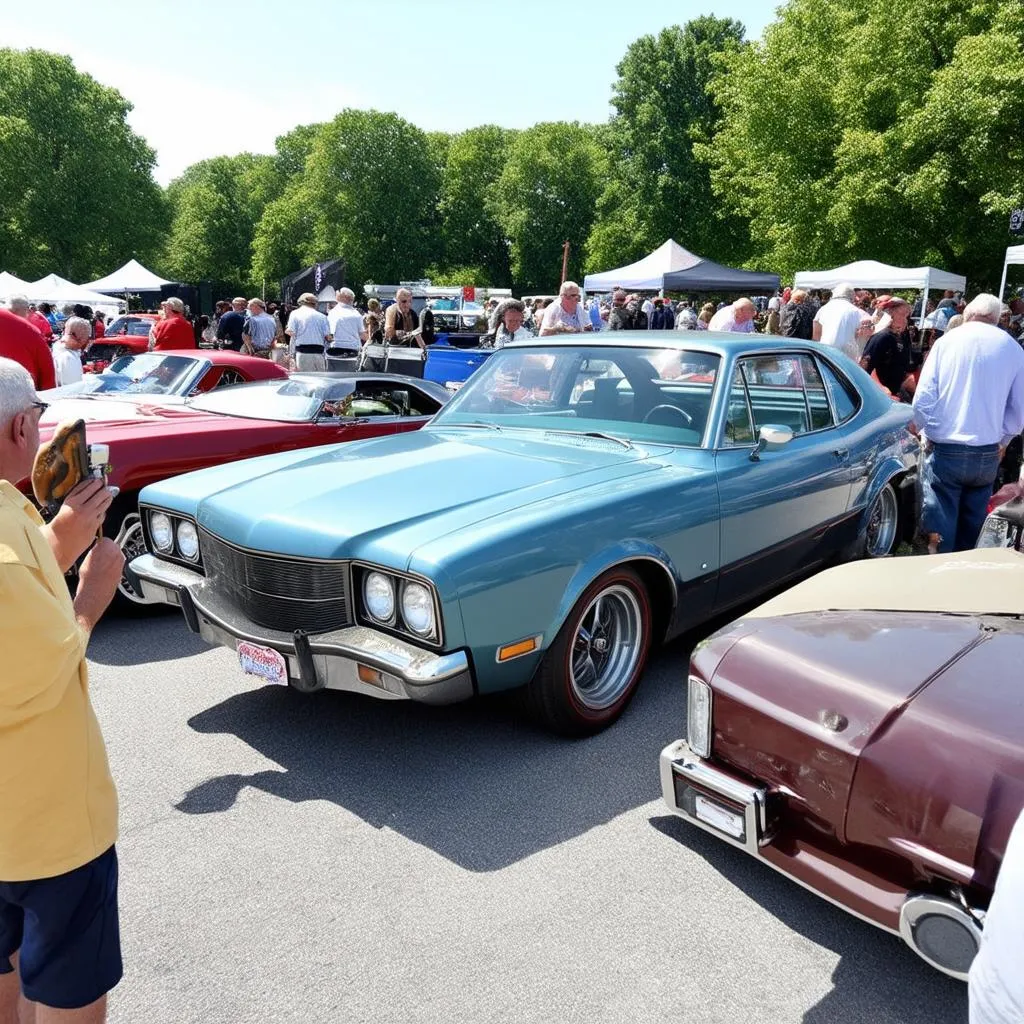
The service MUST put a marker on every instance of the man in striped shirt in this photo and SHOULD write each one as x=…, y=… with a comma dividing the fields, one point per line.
x=259, y=331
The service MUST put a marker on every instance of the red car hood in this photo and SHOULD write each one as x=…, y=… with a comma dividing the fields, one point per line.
x=156, y=408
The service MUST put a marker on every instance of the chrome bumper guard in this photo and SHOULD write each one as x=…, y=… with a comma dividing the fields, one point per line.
x=731, y=809
x=317, y=660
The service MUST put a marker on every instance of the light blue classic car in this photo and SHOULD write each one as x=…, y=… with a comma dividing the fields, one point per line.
x=580, y=499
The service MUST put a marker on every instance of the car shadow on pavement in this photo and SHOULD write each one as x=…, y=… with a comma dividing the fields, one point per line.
x=878, y=978
x=475, y=782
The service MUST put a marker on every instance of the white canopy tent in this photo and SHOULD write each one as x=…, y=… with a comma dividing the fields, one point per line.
x=132, y=277
x=57, y=291
x=11, y=285
x=1014, y=256
x=646, y=274
x=872, y=274
x=671, y=267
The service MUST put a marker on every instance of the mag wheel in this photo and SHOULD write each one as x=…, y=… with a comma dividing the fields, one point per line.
x=883, y=523
x=592, y=669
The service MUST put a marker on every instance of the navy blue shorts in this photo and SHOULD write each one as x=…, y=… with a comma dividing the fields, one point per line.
x=67, y=933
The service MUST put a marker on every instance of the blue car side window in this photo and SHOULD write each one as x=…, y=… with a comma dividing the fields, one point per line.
x=841, y=392
x=739, y=427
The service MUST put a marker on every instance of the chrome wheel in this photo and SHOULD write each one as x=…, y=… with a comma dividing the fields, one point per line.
x=883, y=520
x=132, y=544
x=606, y=648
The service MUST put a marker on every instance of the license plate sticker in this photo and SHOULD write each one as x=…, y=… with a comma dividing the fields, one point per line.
x=729, y=822
x=264, y=662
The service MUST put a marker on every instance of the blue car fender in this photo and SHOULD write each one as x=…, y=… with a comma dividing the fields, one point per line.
x=886, y=472
x=619, y=553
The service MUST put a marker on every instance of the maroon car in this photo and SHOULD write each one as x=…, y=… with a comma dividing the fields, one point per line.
x=863, y=733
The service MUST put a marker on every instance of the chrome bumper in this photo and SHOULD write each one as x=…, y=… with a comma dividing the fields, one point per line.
x=685, y=777
x=317, y=661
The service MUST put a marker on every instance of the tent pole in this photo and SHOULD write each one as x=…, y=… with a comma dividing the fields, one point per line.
x=924, y=302
x=1002, y=284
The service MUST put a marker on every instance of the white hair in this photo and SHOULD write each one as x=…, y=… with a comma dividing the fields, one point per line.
x=17, y=302
x=843, y=291
x=346, y=295
x=984, y=307
x=75, y=325
x=17, y=390
x=566, y=285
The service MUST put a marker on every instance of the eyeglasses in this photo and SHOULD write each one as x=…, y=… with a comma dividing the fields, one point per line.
x=41, y=406
x=572, y=295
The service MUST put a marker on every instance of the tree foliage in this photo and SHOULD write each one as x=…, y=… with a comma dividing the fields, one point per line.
x=657, y=187
x=78, y=193
x=866, y=129
x=471, y=234
x=367, y=193
x=216, y=206
x=545, y=196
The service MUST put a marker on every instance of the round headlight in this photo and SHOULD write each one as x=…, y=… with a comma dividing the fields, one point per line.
x=418, y=608
x=188, y=541
x=379, y=596
x=161, y=531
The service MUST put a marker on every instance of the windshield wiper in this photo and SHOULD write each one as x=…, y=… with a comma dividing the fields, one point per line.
x=594, y=433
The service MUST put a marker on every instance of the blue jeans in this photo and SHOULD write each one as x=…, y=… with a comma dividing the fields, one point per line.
x=956, y=485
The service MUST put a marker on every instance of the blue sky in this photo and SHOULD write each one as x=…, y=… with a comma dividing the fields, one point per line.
x=222, y=76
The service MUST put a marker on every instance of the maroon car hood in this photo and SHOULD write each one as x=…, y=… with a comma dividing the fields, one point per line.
x=944, y=783
x=797, y=698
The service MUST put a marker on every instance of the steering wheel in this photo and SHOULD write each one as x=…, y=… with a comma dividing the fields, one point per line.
x=672, y=408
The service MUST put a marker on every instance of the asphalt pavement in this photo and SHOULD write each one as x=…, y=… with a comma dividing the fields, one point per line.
x=339, y=859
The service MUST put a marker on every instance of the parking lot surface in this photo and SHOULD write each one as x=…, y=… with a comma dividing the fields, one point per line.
x=335, y=858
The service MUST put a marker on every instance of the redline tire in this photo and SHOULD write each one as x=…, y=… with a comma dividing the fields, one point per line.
x=591, y=671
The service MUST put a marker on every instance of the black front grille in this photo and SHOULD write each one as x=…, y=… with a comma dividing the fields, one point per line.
x=278, y=592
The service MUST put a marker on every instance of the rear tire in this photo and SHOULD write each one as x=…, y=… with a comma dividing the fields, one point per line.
x=591, y=671
x=881, y=532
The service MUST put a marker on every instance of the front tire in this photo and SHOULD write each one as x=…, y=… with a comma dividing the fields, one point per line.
x=591, y=670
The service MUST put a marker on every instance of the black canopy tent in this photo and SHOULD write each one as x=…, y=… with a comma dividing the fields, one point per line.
x=326, y=274
x=708, y=276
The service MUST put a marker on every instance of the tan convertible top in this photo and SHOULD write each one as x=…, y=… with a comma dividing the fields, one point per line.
x=983, y=582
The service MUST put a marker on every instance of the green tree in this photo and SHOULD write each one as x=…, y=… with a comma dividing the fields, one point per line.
x=367, y=194
x=657, y=187
x=545, y=196
x=865, y=129
x=78, y=191
x=217, y=204
x=471, y=233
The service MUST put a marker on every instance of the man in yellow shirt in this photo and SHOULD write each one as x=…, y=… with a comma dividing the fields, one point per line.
x=59, y=939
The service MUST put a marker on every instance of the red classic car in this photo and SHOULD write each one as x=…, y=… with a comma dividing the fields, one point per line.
x=154, y=437
x=126, y=336
x=183, y=373
x=863, y=733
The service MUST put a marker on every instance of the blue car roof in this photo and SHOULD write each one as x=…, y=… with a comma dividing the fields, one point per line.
x=721, y=342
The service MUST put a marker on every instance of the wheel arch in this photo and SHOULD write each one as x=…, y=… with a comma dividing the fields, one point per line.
x=903, y=479
x=651, y=564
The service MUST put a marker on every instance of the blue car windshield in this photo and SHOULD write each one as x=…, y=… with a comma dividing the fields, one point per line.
x=660, y=394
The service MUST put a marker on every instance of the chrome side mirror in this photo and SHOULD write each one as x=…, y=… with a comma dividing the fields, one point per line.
x=770, y=433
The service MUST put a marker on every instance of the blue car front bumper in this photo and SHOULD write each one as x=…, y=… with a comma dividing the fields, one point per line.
x=343, y=659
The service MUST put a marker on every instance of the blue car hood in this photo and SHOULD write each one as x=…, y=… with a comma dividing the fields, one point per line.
x=383, y=498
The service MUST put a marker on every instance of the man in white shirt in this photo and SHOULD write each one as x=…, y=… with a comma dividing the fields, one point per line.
x=969, y=404
x=838, y=321
x=996, y=981
x=309, y=332
x=737, y=318
x=67, y=359
x=347, y=331
x=567, y=315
